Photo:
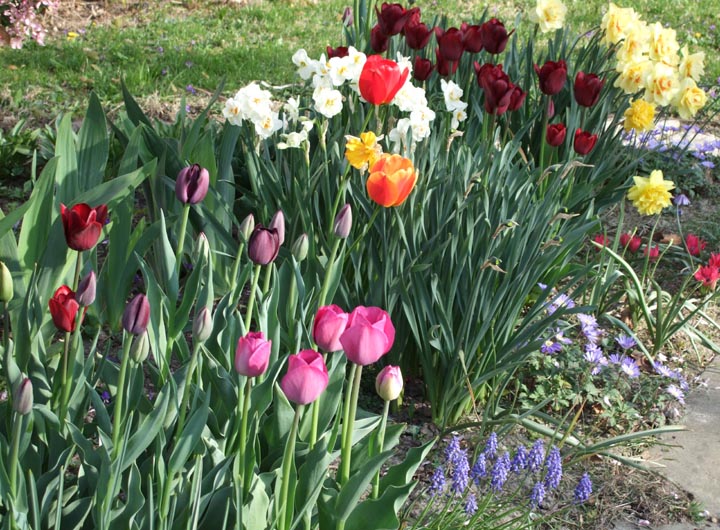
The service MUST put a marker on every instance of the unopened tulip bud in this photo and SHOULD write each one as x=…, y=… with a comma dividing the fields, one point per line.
x=247, y=227
x=85, y=294
x=23, y=398
x=278, y=223
x=347, y=16
x=6, y=283
x=202, y=247
x=137, y=315
x=300, y=248
x=343, y=222
x=389, y=383
x=140, y=348
x=264, y=245
x=203, y=324
x=192, y=184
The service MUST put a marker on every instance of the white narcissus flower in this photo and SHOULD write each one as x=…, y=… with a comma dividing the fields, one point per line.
x=266, y=125
x=255, y=103
x=356, y=61
x=340, y=70
x=232, y=112
x=632, y=75
x=616, y=22
x=636, y=44
x=549, y=15
x=306, y=66
x=459, y=116
x=398, y=135
x=292, y=109
x=405, y=63
x=420, y=122
x=410, y=97
x=328, y=101
x=293, y=140
x=452, y=93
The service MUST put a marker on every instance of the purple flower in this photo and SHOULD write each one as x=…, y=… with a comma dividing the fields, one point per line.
x=554, y=344
x=437, y=482
x=589, y=327
x=190, y=90
x=520, y=460
x=625, y=341
x=662, y=370
x=537, y=495
x=105, y=396
x=536, y=457
x=616, y=358
x=460, y=476
x=491, y=445
x=561, y=300
x=630, y=367
x=164, y=71
x=479, y=469
x=675, y=392
x=160, y=49
x=500, y=472
x=554, y=468
x=681, y=200
x=584, y=489
x=471, y=505
x=188, y=64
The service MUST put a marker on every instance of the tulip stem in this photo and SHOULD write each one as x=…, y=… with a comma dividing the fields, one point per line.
x=65, y=390
x=286, y=511
x=347, y=442
x=340, y=194
x=120, y=394
x=186, y=391
x=236, y=267
x=366, y=229
x=243, y=435
x=16, y=434
x=328, y=273
x=181, y=236
x=251, y=300
x=381, y=443
x=543, y=132
x=6, y=335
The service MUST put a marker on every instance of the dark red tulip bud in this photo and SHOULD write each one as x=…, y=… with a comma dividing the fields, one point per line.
x=584, y=142
x=517, y=97
x=494, y=36
x=378, y=39
x=587, y=89
x=391, y=18
x=264, y=245
x=555, y=134
x=343, y=222
x=422, y=68
x=471, y=37
x=23, y=397
x=83, y=225
x=347, y=16
x=417, y=35
x=137, y=315
x=278, y=223
x=86, y=290
x=444, y=67
x=340, y=51
x=450, y=43
x=192, y=184
x=552, y=76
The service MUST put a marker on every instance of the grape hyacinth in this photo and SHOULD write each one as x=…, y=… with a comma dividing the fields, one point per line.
x=554, y=468
x=471, y=505
x=479, y=469
x=537, y=495
x=584, y=489
x=491, y=445
x=500, y=472
x=437, y=482
x=536, y=457
x=520, y=460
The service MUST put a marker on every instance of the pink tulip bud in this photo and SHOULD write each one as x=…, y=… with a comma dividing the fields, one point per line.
x=23, y=398
x=264, y=245
x=85, y=295
x=389, y=383
x=369, y=335
x=192, y=184
x=252, y=354
x=247, y=227
x=306, y=378
x=330, y=322
x=140, y=348
x=278, y=223
x=300, y=247
x=137, y=315
x=347, y=16
x=343, y=222
x=202, y=325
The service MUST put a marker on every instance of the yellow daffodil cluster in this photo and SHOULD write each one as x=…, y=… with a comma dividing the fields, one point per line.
x=649, y=59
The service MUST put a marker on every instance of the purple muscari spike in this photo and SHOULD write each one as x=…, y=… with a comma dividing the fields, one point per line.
x=584, y=489
x=537, y=495
x=471, y=505
x=536, y=457
x=520, y=460
x=554, y=468
x=625, y=341
x=500, y=472
x=460, y=476
x=491, y=445
x=479, y=469
x=437, y=482
x=452, y=451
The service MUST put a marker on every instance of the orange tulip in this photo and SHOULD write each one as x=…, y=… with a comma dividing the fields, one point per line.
x=391, y=180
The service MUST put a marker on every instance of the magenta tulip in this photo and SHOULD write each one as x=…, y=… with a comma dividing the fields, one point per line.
x=330, y=323
x=306, y=378
x=252, y=354
x=369, y=335
x=192, y=184
x=136, y=316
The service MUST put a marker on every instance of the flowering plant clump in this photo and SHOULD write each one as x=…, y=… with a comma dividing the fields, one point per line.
x=22, y=19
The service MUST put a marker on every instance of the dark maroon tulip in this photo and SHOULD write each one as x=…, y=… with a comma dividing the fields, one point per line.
x=343, y=222
x=496, y=86
x=450, y=43
x=82, y=225
x=444, y=67
x=192, y=184
x=472, y=37
x=517, y=97
x=555, y=134
x=378, y=39
x=340, y=51
x=422, y=68
x=417, y=35
x=584, y=142
x=494, y=36
x=587, y=89
x=391, y=18
x=85, y=294
x=552, y=76
x=137, y=315
x=264, y=245
x=347, y=16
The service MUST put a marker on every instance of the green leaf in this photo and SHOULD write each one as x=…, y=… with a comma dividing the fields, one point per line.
x=66, y=176
x=355, y=488
x=381, y=511
x=401, y=474
x=311, y=475
x=116, y=190
x=93, y=146
x=146, y=432
x=190, y=437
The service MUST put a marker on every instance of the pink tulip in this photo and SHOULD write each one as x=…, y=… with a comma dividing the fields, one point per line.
x=389, y=383
x=369, y=335
x=330, y=323
x=252, y=354
x=306, y=378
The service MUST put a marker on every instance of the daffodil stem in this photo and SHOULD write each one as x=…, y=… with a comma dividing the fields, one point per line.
x=381, y=443
x=346, y=449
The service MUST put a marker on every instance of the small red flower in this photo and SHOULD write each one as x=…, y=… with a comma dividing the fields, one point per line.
x=708, y=275
x=654, y=252
x=555, y=134
x=82, y=225
x=584, y=142
x=340, y=51
x=694, y=244
x=587, y=89
x=630, y=242
x=64, y=308
x=552, y=76
x=378, y=40
x=714, y=260
x=422, y=68
x=602, y=240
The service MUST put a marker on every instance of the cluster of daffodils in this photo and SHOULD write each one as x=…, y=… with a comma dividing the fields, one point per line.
x=649, y=59
x=452, y=94
x=254, y=104
x=549, y=15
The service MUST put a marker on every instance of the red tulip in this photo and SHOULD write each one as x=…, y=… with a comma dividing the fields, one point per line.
x=306, y=377
x=517, y=97
x=555, y=134
x=136, y=316
x=708, y=275
x=422, y=68
x=82, y=225
x=369, y=335
x=471, y=37
x=264, y=245
x=378, y=40
x=494, y=36
x=584, y=142
x=417, y=35
x=496, y=86
x=587, y=89
x=340, y=51
x=602, y=240
x=252, y=354
x=694, y=244
x=552, y=76
x=391, y=18
x=450, y=43
x=630, y=242
x=64, y=308
x=192, y=184
x=330, y=322
x=380, y=79
x=445, y=68
x=654, y=252
x=714, y=260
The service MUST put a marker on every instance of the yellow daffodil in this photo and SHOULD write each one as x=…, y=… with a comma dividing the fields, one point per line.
x=364, y=151
x=640, y=116
x=651, y=194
